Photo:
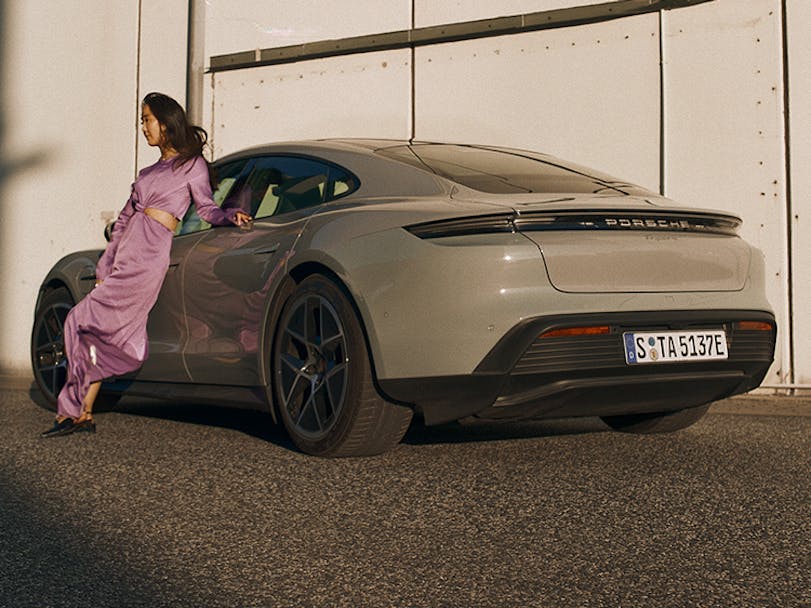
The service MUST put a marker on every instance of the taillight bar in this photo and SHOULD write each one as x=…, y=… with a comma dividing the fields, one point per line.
x=532, y=221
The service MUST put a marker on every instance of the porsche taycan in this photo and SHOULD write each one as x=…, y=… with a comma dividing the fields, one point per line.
x=383, y=280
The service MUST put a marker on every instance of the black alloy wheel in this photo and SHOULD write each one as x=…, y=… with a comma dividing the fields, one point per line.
x=48, y=359
x=314, y=367
x=322, y=377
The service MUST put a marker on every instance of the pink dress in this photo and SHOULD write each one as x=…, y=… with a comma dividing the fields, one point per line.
x=105, y=333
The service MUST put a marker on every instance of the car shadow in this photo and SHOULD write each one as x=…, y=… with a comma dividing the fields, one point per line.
x=35, y=395
x=260, y=425
x=250, y=422
x=477, y=431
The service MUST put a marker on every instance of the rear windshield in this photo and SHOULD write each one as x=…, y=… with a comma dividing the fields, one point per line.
x=505, y=171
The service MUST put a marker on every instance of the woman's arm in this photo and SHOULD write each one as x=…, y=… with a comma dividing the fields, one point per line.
x=201, y=195
x=105, y=264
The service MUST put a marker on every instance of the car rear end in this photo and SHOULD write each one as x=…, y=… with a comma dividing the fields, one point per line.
x=572, y=294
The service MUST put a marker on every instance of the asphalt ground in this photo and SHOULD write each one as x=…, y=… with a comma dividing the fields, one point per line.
x=187, y=505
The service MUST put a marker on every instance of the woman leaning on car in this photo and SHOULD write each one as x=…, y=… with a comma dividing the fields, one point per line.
x=105, y=333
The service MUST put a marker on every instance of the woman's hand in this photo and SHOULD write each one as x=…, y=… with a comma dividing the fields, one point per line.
x=243, y=220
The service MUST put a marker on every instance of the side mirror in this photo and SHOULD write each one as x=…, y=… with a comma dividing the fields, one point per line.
x=108, y=231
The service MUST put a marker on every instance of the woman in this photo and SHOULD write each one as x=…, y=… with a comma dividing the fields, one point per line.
x=105, y=333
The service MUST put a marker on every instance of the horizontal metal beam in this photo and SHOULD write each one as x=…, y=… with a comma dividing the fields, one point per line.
x=438, y=34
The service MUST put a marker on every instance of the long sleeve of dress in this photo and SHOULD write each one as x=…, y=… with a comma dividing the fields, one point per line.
x=201, y=195
x=105, y=264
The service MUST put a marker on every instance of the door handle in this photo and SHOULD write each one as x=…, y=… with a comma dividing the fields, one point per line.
x=267, y=250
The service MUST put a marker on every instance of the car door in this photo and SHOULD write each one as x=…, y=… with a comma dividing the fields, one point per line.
x=230, y=274
x=167, y=327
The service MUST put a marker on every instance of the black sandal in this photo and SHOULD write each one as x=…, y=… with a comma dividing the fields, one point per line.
x=64, y=427
x=87, y=425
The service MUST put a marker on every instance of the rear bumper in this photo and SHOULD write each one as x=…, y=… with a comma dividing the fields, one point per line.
x=524, y=376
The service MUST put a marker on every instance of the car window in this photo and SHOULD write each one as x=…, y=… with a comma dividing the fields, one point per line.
x=227, y=176
x=343, y=182
x=504, y=171
x=282, y=184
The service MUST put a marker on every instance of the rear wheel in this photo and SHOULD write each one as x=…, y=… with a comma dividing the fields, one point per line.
x=664, y=422
x=323, y=379
x=48, y=358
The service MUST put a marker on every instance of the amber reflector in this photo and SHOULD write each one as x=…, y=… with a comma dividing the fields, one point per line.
x=754, y=326
x=595, y=330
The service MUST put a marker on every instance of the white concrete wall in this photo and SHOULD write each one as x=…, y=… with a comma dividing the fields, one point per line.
x=277, y=103
x=232, y=27
x=162, y=65
x=724, y=129
x=798, y=16
x=71, y=81
x=431, y=12
x=588, y=94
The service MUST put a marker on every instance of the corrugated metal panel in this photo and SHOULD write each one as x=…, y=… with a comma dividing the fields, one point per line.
x=589, y=94
x=430, y=12
x=724, y=131
x=260, y=24
x=361, y=95
x=498, y=25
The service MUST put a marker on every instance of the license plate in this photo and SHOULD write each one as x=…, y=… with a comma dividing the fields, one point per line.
x=674, y=346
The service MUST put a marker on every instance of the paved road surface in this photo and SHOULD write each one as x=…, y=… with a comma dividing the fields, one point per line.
x=175, y=505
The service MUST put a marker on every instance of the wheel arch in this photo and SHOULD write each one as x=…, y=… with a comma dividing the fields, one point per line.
x=294, y=277
x=52, y=283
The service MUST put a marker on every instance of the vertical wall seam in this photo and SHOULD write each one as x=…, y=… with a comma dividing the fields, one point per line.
x=662, y=109
x=137, y=88
x=212, y=136
x=789, y=333
x=413, y=133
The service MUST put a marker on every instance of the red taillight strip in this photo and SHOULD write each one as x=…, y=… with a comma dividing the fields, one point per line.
x=567, y=332
x=754, y=326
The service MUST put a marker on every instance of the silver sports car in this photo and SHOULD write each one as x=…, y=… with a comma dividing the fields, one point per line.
x=386, y=278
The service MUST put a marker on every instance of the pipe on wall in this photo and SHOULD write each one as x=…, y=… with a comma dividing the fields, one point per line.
x=195, y=64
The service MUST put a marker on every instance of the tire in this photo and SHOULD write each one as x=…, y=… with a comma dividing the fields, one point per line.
x=322, y=377
x=666, y=422
x=48, y=359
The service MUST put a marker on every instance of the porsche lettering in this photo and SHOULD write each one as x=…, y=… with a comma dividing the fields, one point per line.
x=645, y=223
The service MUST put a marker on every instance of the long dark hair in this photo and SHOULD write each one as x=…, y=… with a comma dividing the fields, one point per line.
x=189, y=140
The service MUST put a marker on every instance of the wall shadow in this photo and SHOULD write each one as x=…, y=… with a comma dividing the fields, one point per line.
x=47, y=562
x=11, y=164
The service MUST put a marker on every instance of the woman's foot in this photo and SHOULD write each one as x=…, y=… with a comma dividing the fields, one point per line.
x=63, y=426
x=84, y=423
x=66, y=426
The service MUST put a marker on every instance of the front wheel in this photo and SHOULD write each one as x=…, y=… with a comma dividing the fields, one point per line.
x=48, y=358
x=323, y=379
x=664, y=422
